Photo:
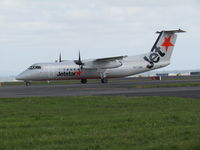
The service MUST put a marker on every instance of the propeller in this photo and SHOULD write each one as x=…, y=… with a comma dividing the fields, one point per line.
x=60, y=59
x=79, y=62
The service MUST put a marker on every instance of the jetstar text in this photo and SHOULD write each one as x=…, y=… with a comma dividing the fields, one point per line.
x=63, y=74
x=154, y=57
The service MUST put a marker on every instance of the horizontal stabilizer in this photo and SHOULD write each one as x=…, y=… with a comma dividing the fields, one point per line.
x=171, y=31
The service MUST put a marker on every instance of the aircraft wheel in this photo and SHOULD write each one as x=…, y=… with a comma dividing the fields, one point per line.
x=104, y=80
x=28, y=83
x=83, y=81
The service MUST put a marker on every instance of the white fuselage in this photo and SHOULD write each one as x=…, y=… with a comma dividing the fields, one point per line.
x=67, y=70
x=110, y=67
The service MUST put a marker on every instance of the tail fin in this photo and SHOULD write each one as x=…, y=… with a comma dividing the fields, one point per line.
x=163, y=47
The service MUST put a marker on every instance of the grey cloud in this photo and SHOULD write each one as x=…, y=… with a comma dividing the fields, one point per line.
x=35, y=28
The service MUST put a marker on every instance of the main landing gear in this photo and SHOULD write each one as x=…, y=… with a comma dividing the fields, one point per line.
x=104, y=80
x=103, y=76
x=83, y=81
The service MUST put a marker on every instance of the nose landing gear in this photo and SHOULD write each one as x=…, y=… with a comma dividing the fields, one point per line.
x=28, y=83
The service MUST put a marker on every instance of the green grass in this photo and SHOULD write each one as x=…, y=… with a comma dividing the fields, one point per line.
x=99, y=123
x=186, y=84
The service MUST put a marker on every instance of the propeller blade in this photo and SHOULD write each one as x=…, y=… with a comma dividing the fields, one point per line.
x=79, y=56
x=79, y=62
x=60, y=59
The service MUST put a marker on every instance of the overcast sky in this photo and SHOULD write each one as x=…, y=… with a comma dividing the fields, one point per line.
x=37, y=30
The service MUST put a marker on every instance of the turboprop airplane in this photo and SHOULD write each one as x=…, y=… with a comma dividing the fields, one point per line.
x=104, y=68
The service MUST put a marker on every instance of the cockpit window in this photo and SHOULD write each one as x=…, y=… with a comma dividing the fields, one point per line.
x=34, y=67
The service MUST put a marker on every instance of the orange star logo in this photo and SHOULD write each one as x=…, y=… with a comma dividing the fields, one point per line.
x=78, y=73
x=167, y=43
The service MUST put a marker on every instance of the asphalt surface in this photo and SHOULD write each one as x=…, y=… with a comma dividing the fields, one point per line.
x=122, y=87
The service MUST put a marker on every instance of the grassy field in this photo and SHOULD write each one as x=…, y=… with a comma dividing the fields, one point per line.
x=99, y=123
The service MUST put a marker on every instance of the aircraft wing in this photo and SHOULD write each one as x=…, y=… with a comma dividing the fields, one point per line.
x=104, y=63
x=107, y=59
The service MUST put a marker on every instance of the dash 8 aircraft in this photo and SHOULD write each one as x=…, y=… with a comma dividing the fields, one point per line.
x=104, y=68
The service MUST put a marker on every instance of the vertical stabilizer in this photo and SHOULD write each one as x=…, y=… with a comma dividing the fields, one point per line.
x=162, y=48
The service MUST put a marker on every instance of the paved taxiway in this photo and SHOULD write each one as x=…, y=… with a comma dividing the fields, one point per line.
x=123, y=87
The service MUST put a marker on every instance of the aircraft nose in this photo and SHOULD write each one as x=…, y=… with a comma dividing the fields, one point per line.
x=19, y=77
x=22, y=76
